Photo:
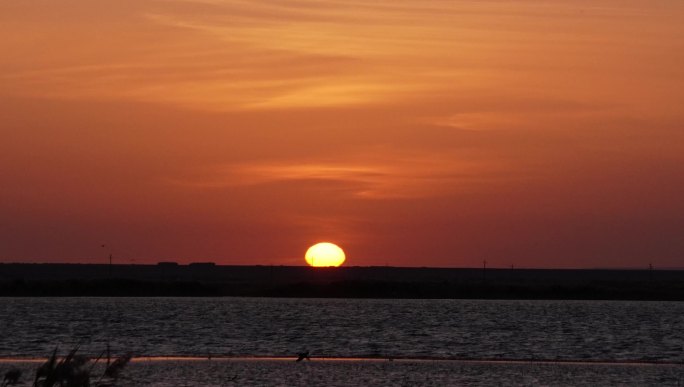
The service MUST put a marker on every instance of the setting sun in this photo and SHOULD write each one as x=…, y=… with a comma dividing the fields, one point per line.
x=324, y=255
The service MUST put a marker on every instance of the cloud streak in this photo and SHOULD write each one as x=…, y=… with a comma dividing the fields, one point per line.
x=234, y=55
x=382, y=176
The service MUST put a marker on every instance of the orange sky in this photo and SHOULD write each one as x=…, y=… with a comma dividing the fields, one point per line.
x=410, y=132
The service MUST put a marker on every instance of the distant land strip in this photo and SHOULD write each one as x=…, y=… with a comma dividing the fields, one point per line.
x=209, y=280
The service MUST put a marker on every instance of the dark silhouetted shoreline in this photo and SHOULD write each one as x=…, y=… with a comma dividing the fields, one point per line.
x=344, y=282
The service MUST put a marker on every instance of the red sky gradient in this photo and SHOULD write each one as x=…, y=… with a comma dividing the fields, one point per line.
x=409, y=132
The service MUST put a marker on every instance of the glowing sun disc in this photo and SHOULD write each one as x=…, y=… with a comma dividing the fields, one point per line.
x=324, y=255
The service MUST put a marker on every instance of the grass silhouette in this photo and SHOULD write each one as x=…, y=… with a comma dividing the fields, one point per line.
x=75, y=370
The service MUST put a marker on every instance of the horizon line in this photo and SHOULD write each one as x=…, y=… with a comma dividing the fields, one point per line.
x=214, y=264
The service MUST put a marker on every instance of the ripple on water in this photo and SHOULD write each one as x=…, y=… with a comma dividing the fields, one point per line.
x=592, y=330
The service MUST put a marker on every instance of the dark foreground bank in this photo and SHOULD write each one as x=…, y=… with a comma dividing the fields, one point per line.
x=348, y=282
x=277, y=372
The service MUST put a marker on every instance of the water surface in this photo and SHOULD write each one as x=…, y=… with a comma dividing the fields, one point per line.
x=463, y=329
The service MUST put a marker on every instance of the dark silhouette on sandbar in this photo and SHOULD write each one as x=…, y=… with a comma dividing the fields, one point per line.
x=303, y=355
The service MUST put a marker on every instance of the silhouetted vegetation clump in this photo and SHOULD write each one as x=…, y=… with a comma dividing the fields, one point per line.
x=75, y=370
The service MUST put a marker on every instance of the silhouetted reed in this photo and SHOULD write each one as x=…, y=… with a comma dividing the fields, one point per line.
x=117, y=366
x=75, y=370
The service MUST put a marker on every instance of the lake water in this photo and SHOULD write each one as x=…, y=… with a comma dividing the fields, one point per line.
x=610, y=331
x=240, y=372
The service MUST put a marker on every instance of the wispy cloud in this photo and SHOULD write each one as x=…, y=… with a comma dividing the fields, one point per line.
x=236, y=55
x=398, y=176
